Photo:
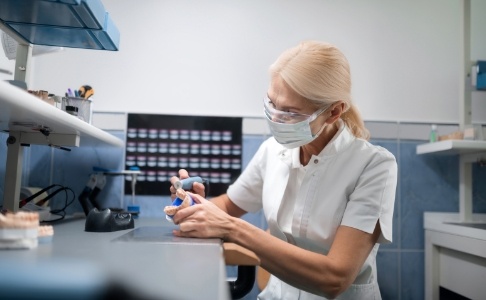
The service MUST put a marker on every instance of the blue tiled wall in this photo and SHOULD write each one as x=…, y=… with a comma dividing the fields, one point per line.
x=426, y=183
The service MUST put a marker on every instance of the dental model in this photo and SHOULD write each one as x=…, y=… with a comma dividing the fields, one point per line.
x=183, y=200
x=45, y=234
x=45, y=230
x=19, y=220
x=19, y=230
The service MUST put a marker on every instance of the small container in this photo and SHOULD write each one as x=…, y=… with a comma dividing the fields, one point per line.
x=152, y=161
x=152, y=147
x=162, y=162
x=132, y=133
x=184, y=134
x=162, y=176
x=183, y=162
x=174, y=134
x=195, y=135
x=163, y=134
x=142, y=147
x=236, y=149
x=151, y=176
x=131, y=161
x=194, y=163
x=134, y=210
x=131, y=147
x=142, y=133
x=183, y=148
x=473, y=132
x=153, y=133
x=433, y=135
x=84, y=107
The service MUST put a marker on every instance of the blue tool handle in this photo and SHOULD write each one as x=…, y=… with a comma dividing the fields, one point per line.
x=186, y=184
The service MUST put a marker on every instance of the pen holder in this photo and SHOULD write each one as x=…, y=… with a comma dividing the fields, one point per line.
x=85, y=107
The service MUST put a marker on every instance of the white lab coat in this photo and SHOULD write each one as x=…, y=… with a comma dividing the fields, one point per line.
x=351, y=182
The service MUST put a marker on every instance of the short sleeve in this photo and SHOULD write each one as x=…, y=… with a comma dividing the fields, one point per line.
x=373, y=198
x=246, y=191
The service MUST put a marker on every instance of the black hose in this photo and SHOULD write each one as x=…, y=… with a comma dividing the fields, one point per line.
x=243, y=283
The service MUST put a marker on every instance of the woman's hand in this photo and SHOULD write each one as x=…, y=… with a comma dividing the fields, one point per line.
x=197, y=188
x=203, y=220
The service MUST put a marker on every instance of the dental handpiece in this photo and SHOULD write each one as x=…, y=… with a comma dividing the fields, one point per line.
x=186, y=184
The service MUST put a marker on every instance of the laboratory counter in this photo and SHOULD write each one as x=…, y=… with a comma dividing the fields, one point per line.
x=146, y=262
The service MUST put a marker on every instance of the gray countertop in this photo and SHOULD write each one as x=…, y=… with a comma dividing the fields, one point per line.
x=147, y=260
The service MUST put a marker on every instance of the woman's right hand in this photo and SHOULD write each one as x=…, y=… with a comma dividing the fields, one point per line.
x=197, y=188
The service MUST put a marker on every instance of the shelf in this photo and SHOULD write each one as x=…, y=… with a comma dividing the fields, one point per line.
x=451, y=147
x=23, y=112
x=451, y=223
x=29, y=120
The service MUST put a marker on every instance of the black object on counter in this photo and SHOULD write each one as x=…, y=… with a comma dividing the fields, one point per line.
x=108, y=221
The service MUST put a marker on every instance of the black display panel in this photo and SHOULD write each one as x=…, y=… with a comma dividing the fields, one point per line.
x=160, y=145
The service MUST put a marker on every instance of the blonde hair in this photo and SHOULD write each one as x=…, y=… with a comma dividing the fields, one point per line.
x=320, y=73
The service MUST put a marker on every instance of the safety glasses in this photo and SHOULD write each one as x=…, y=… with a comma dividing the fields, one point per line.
x=287, y=117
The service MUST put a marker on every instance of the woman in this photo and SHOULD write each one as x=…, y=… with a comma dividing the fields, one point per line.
x=326, y=192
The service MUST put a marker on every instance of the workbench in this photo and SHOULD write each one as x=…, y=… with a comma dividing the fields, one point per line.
x=147, y=261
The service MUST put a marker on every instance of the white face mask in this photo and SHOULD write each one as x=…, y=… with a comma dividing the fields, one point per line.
x=291, y=130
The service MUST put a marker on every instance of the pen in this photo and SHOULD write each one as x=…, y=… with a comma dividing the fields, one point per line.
x=70, y=92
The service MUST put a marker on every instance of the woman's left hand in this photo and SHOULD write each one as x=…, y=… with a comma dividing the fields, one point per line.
x=203, y=220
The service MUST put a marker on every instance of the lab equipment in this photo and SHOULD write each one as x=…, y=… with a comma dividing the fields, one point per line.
x=108, y=221
x=186, y=184
x=84, y=196
x=133, y=172
x=97, y=182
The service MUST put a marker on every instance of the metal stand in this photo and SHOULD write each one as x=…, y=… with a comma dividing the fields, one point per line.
x=15, y=155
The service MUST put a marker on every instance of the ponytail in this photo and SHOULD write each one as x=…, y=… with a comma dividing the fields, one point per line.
x=354, y=122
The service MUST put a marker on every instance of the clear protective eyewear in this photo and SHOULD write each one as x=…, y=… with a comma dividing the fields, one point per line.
x=287, y=117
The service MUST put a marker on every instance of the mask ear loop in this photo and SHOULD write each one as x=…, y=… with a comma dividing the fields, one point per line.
x=320, y=130
x=317, y=114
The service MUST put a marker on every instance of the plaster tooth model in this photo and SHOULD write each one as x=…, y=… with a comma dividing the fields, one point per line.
x=19, y=220
x=186, y=202
x=19, y=230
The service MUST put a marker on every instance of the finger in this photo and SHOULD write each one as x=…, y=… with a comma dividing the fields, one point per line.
x=197, y=198
x=183, y=174
x=172, y=192
x=180, y=233
x=189, y=228
x=174, y=179
x=199, y=188
x=183, y=213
